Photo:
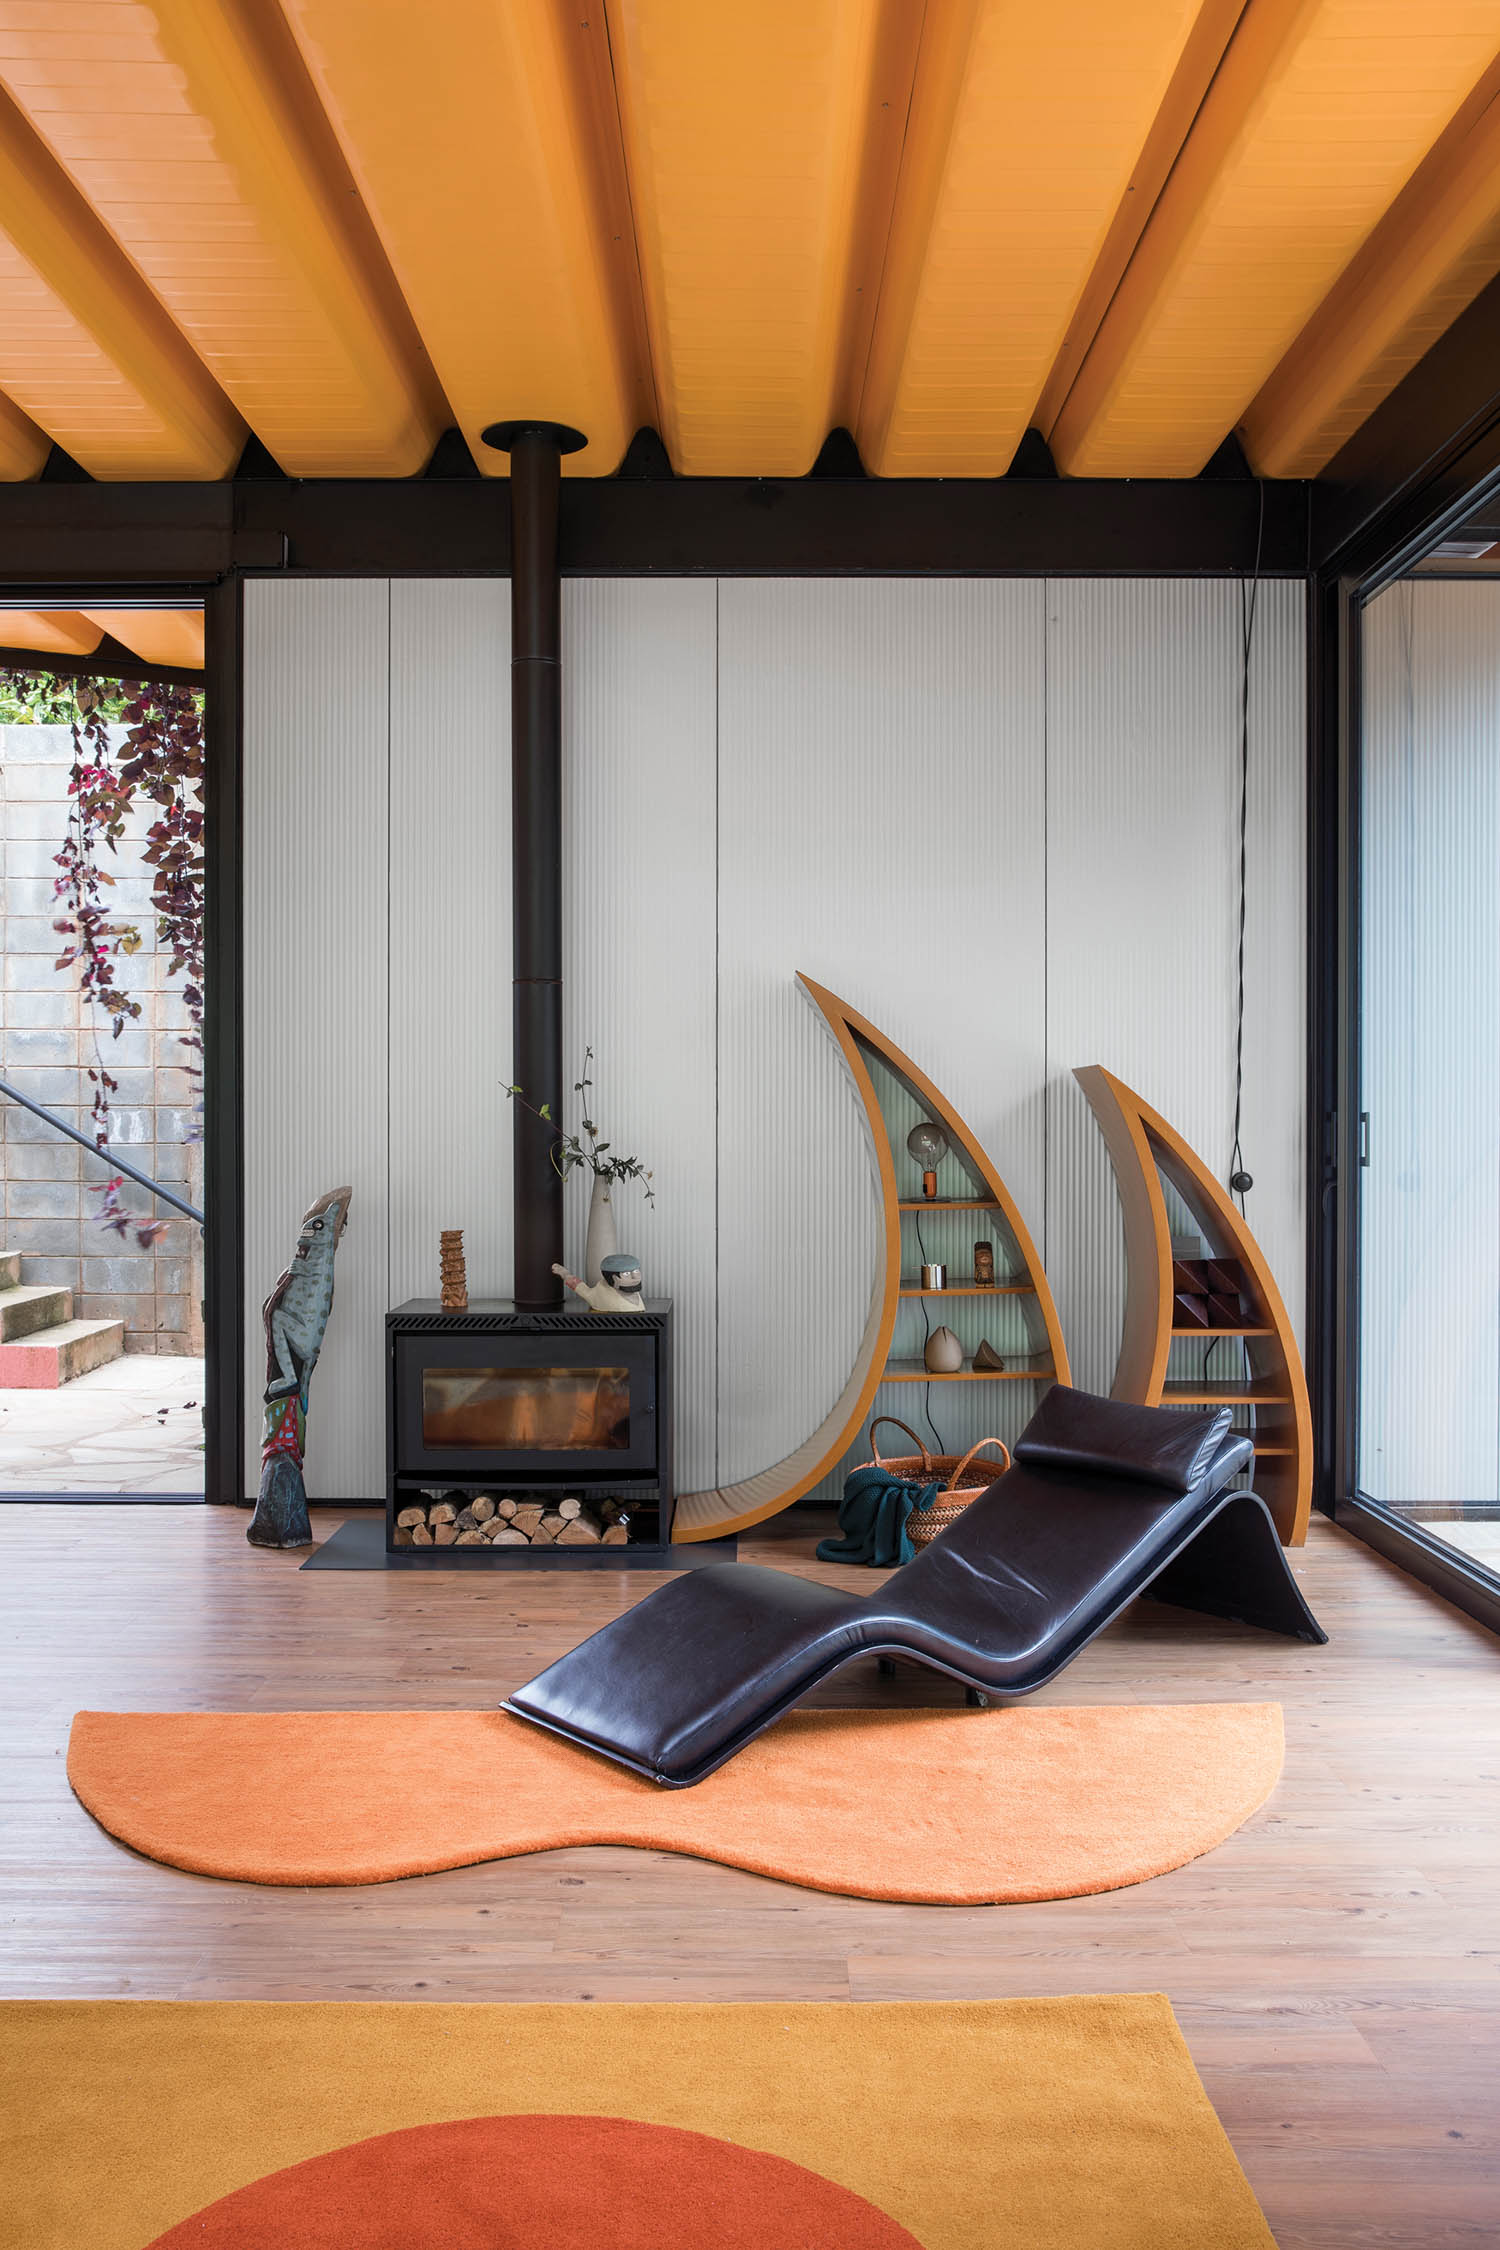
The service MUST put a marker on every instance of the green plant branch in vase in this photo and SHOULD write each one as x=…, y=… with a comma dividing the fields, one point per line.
x=583, y=1150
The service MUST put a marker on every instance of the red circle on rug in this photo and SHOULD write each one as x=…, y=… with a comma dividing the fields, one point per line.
x=541, y=2183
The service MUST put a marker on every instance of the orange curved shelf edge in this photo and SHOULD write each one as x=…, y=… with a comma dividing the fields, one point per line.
x=729, y=1508
x=1142, y=1147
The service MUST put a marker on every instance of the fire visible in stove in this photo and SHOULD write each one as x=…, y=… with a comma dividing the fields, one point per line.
x=530, y=1409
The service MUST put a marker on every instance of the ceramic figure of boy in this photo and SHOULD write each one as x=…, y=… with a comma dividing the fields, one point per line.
x=618, y=1289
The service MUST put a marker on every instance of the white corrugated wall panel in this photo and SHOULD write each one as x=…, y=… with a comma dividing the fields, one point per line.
x=450, y=932
x=1143, y=793
x=881, y=826
x=316, y=1004
x=639, y=788
x=998, y=817
x=1430, y=1235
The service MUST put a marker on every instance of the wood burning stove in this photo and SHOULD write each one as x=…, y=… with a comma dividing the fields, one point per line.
x=516, y=1406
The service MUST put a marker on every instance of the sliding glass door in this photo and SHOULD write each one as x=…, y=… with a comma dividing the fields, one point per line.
x=1429, y=1200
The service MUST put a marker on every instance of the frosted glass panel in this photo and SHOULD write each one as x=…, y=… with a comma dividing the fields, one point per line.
x=1430, y=1188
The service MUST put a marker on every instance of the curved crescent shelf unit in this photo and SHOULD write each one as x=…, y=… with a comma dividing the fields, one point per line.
x=888, y=1084
x=1267, y=1387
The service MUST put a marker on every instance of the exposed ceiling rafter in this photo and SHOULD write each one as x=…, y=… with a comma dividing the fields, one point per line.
x=338, y=238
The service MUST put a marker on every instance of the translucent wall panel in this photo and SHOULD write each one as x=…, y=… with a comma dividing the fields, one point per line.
x=639, y=968
x=1143, y=808
x=1000, y=817
x=881, y=826
x=317, y=992
x=1430, y=1196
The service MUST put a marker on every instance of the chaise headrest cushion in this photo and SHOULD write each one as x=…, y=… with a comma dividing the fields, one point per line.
x=1103, y=1437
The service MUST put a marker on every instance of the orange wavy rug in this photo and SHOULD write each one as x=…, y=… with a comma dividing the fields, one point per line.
x=952, y=1808
x=907, y=2125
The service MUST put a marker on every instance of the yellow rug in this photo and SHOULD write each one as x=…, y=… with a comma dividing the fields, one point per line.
x=1001, y=2125
x=946, y=1807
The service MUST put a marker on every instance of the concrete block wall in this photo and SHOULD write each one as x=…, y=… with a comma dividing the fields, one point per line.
x=48, y=1043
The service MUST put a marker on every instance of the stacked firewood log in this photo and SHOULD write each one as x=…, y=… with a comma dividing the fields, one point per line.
x=452, y=1519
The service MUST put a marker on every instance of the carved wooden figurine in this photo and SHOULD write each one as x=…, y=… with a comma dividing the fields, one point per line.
x=296, y=1316
x=455, y=1279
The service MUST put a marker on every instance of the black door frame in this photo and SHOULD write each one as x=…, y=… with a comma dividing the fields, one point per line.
x=1427, y=458
x=223, y=1043
x=223, y=1166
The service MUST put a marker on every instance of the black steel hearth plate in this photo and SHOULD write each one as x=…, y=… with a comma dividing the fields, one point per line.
x=359, y=1544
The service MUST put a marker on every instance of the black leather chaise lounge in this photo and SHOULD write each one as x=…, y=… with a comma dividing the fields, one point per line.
x=1105, y=1501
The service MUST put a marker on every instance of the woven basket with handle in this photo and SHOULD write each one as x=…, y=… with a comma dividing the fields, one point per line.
x=966, y=1478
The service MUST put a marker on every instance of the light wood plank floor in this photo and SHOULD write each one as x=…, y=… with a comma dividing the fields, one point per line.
x=1336, y=1965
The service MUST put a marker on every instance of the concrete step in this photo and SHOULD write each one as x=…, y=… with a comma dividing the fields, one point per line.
x=50, y=1357
x=10, y=1269
x=25, y=1309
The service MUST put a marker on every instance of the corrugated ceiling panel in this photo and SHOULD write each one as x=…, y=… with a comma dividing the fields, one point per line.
x=1025, y=126
x=23, y=447
x=59, y=632
x=1427, y=260
x=181, y=123
x=1430, y=1046
x=85, y=349
x=162, y=636
x=1320, y=114
x=469, y=131
x=745, y=135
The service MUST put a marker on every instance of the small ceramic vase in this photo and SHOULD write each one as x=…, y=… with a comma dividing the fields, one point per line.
x=600, y=1242
x=944, y=1354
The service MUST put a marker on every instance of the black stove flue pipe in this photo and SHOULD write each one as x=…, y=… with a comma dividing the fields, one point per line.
x=536, y=450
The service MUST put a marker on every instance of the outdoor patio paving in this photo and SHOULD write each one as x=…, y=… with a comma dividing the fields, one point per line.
x=1477, y=1538
x=134, y=1426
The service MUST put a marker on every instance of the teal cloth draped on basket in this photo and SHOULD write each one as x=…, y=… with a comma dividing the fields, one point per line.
x=872, y=1518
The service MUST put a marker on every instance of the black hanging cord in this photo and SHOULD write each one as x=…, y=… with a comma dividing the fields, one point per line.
x=1240, y=1180
x=926, y=1335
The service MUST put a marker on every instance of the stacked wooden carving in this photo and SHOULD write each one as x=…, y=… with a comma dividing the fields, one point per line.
x=455, y=1520
x=455, y=1279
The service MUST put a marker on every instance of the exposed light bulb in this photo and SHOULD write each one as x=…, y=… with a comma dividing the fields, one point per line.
x=928, y=1143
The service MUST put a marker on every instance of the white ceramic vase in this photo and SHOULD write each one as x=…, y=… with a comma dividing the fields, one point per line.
x=601, y=1241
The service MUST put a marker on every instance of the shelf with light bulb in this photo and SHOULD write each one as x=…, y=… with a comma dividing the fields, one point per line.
x=898, y=1099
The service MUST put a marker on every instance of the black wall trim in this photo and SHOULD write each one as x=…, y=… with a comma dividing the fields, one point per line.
x=61, y=533
x=223, y=1045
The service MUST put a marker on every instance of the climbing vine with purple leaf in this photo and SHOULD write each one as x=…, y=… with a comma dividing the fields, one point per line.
x=157, y=760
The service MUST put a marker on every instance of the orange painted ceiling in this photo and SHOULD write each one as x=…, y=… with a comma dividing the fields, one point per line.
x=343, y=226
x=161, y=636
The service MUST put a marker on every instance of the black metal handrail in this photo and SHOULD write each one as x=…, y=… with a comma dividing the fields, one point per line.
x=108, y=1155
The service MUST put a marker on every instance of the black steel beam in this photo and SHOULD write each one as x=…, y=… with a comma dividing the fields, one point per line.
x=65, y=534
x=111, y=660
